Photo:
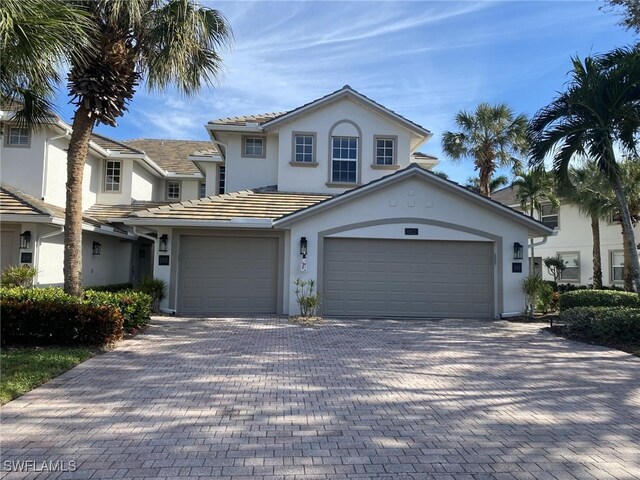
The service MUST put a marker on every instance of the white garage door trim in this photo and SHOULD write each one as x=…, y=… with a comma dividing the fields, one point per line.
x=177, y=271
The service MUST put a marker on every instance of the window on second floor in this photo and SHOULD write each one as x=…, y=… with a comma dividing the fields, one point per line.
x=572, y=271
x=202, y=190
x=385, y=151
x=113, y=176
x=253, y=147
x=18, y=137
x=303, y=148
x=344, y=159
x=617, y=266
x=549, y=215
x=221, y=179
x=173, y=190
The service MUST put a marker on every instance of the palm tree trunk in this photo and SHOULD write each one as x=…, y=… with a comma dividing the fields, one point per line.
x=485, y=179
x=628, y=280
x=629, y=237
x=76, y=156
x=597, y=257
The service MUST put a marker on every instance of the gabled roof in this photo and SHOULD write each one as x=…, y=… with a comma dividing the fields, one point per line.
x=108, y=212
x=15, y=202
x=414, y=170
x=243, y=120
x=348, y=92
x=265, y=203
x=424, y=155
x=113, y=145
x=173, y=155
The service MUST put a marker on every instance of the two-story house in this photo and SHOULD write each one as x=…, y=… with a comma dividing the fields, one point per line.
x=337, y=192
x=572, y=242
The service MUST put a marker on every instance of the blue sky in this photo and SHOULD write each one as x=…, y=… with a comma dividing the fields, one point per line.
x=423, y=59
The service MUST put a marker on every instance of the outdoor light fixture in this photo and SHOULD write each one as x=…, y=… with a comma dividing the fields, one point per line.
x=96, y=248
x=303, y=246
x=518, y=251
x=25, y=239
x=164, y=239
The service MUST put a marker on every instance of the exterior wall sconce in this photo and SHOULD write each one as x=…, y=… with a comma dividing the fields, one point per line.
x=25, y=240
x=97, y=248
x=518, y=251
x=303, y=247
x=164, y=240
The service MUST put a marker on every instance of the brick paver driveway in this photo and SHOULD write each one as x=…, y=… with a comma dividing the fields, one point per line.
x=233, y=398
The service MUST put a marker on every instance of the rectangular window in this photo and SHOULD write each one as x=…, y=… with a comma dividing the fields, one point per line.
x=173, y=190
x=221, y=179
x=617, y=266
x=303, y=148
x=572, y=271
x=18, y=137
x=549, y=215
x=385, y=151
x=203, y=189
x=344, y=159
x=253, y=147
x=113, y=175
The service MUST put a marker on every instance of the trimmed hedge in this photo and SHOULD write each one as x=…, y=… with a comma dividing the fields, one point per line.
x=58, y=322
x=598, y=298
x=135, y=307
x=113, y=287
x=603, y=324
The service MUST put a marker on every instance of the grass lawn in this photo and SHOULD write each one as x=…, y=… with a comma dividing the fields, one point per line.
x=23, y=369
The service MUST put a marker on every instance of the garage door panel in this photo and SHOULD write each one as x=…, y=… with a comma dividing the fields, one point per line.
x=228, y=274
x=365, y=277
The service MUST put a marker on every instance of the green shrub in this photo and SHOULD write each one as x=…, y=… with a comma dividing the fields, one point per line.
x=603, y=324
x=55, y=322
x=598, y=298
x=531, y=286
x=545, y=298
x=135, y=307
x=112, y=287
x=52, y=294
x=21, y=276
x=154, y=287
x=552, y=284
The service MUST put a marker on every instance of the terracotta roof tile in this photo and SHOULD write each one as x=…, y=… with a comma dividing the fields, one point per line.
x=258, y=203
x=172, y=155
x=242, y=120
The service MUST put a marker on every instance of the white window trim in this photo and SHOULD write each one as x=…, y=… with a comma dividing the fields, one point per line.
x=313, y=161
x=104, y=183
x=611, y=276
x=7, y=138
x=394, y=158
x=243, y=146
x=354, y=160
x=567, y=280
x=166, y=191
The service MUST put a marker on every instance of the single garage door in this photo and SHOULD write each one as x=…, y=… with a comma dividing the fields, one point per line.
x=228, y=275
x=401, y=278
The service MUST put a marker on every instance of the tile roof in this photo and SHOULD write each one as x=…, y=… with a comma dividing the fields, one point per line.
x=506, y=196
x=258, y=203
x=242, y=120
x=113, y=145
x=424, y=155
x=172, y=155
x=15, y=202
x=106, y=212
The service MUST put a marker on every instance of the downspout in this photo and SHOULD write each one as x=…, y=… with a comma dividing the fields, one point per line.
x=40, y=238
x=45, y=167
x=155, y=243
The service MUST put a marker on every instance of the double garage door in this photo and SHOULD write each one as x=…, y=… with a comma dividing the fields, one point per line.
x=361, y=277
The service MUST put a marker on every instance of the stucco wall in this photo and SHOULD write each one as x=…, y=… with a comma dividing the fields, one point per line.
x=425, y=206
x=144, y=185
x=124, y=195
x=21, y=167
x=366, y=124
x=246, y=173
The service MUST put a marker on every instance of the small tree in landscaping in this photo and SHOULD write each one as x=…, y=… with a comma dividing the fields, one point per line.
x=307, y=297
x=532, y=286
x=555, y=267
x=155, y=288
x=21, y=276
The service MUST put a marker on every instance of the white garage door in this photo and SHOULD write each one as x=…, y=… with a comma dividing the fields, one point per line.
x=401, y=278
x=227, y=275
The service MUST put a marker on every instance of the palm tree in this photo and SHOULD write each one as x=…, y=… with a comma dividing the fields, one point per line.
x=591, y=193
x=473, y=183
x=35, y=37
x=164, y=42
x=600, y=108
x=492, y=136
x=532, y=189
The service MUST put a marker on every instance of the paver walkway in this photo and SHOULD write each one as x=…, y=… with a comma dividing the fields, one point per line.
x=259, y=397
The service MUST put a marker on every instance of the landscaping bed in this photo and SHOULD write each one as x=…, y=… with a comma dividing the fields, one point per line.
x=25, y=368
